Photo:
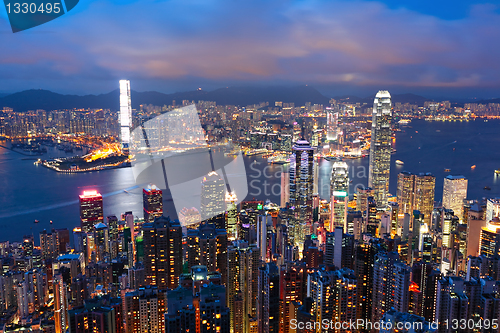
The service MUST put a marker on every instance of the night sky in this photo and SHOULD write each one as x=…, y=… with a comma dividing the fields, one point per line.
x=433, y=48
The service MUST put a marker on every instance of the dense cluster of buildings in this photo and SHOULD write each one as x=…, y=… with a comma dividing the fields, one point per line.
x=347, y=264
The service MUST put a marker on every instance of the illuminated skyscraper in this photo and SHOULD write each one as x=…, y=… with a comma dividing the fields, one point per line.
x=391, y=282
x=292, y=279
x=213, y=191
x=380, y=147
x=454, y=193
x=125, y=114
x=152, y=202
x=339, y=186
x=332, y=123
x=101, y=241
x=144, y=309
x=406, y=183
x=231, y=215
x=207, y=246
x=60, y=303
x=490, y=238
x=162, y=252
x=243, y=280
x=492, y=208
x=423, y=199
x=301, y=189
x=91, y=211
x=49, y=243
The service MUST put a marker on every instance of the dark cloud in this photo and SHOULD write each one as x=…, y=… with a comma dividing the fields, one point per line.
x=182, y=44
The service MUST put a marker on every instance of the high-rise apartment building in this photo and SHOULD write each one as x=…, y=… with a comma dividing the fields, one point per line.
x=380, y=147
x=242, y=284
x=49, y=243
x=91, y=211
x=143, y=310
x=207, y=246
x=162, y=252
x=292, y=281
x=391, y=282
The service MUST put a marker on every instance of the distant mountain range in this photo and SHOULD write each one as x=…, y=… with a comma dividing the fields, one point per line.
x=242, y=96
x=402, y=98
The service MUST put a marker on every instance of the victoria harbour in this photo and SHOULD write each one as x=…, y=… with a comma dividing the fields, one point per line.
x=32, y=192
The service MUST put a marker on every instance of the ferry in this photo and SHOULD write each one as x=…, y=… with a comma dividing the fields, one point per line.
x=279, y=159
x=332, y=158
x=399, y=162
x=256, y=151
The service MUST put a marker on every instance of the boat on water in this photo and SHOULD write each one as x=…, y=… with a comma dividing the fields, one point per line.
x=399, y=162
x=279, y=159
x=332, y=158
x=487, y=188
x=447, y=170
x=497, y=172
x=36, y=221
x=473, y=167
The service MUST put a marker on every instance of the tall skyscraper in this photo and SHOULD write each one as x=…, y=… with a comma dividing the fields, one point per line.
x=231, y=215
x=301, y=189
x=60, y=303
x=423, y=199
x=404, y=194
x=380, y=147
x=125, y=114
x=243, y=281
x=292, y=279
x=213, y=191
x=152, y=198
x=101, y=241
x=339, y=186
x=144, y=309
x=332, y=123
x=391, y=282
x=49, y=243
x=162, y=252
x=208, y=246
x=91, y=211
x=454, y=193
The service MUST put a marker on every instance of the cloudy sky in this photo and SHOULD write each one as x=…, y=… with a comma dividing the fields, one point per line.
x=433, y=48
